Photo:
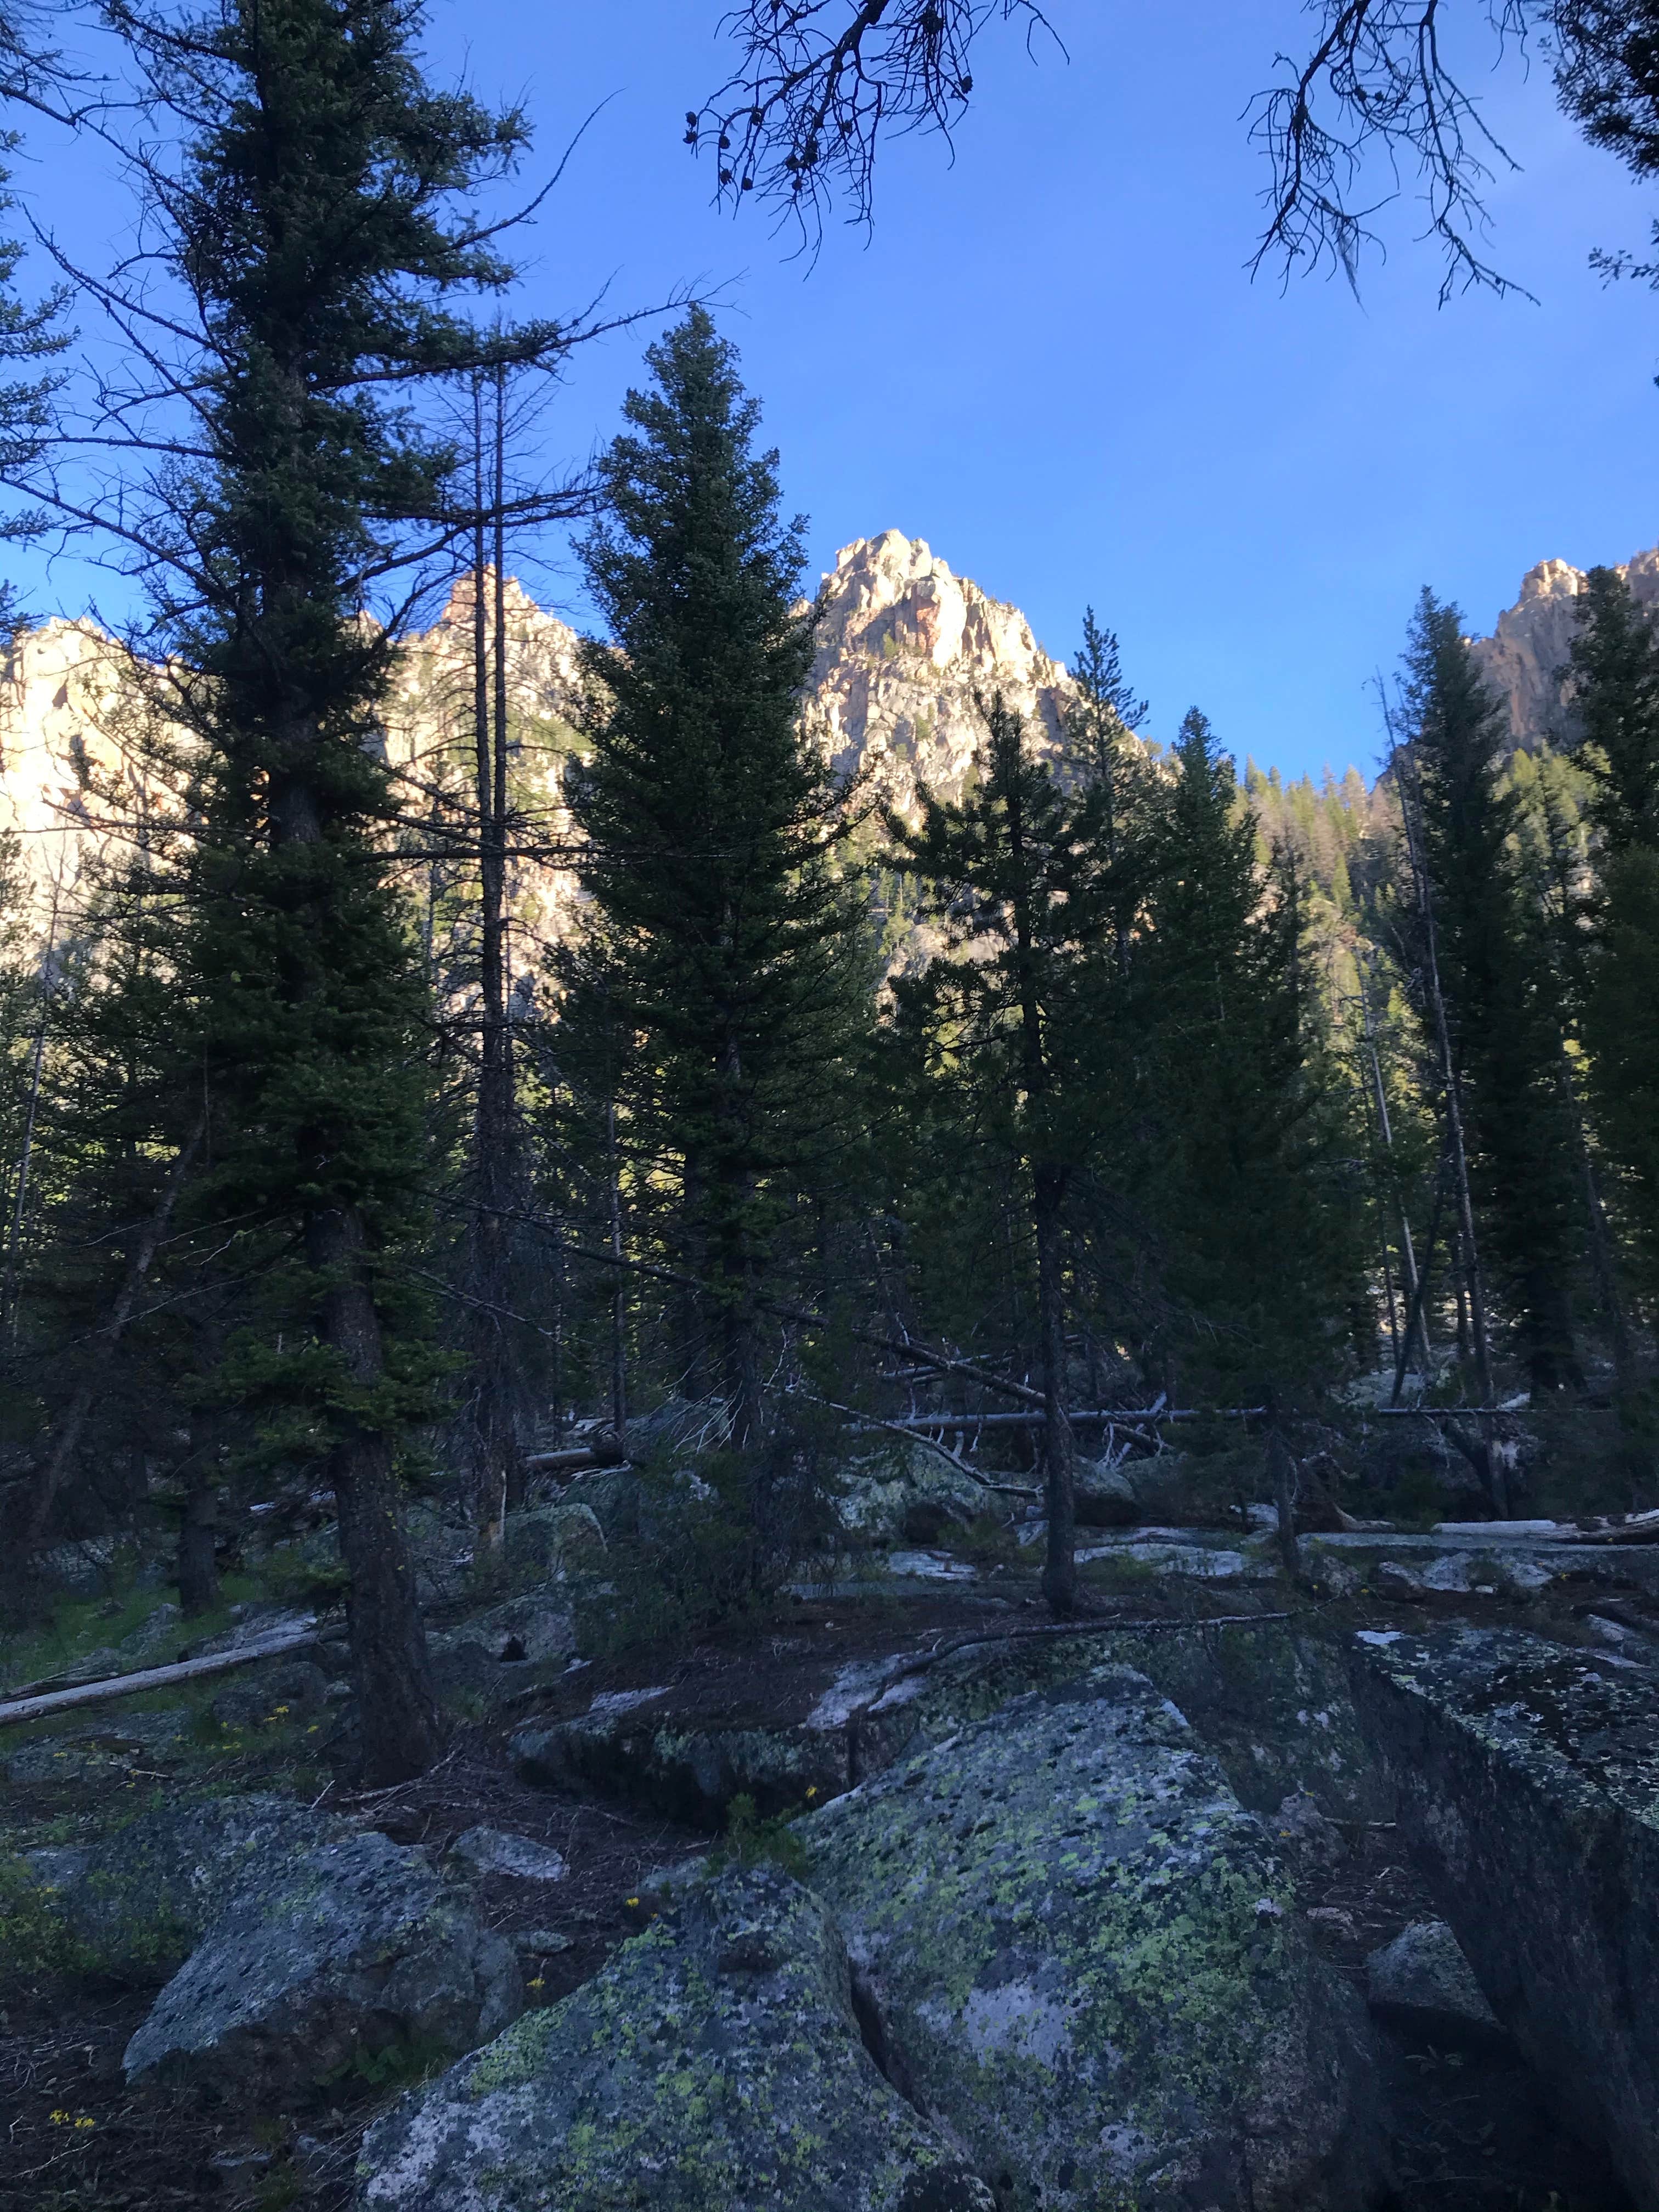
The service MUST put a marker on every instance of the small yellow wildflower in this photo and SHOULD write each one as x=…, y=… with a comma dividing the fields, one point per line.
x=633, y=1901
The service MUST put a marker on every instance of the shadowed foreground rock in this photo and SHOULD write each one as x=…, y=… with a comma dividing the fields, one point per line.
x=1076, y=1951
x=714, y=2065
x=137, y=1898
x=1422, y=1982
x=335, y=1962
x=1528, y=1776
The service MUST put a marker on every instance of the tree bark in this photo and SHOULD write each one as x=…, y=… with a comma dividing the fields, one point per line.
x=197, y=1568
x=1058, y=1459
x=397, y=1704
x=496, y=1477
x=391, y=1669
x=143, y=1258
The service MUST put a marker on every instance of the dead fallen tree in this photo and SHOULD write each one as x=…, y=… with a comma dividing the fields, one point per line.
x=155, y=1678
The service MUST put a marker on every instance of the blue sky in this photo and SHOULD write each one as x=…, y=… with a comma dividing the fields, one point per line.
x=1049, y=360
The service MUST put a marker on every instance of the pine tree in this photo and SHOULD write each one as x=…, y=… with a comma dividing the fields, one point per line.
x=724, y=951
x=316, y=218
x=1013, y=874
x=1101, y=721
x=1493, y=975
x=1248, y=1225
x=1615, y=673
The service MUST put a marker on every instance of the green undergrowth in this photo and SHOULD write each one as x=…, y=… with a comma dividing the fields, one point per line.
x=79, y=1627
x=34, y=1939
x=749, y=1841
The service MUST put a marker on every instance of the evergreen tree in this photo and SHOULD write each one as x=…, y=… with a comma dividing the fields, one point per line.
x=1493, y=974
x=1101, y=721
x=1615, y=672
x=1013, y=874
x=316, y=217
x=719, y=986
x=1248, y=1226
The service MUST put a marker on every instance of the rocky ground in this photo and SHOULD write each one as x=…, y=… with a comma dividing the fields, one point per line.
x=563, y=1832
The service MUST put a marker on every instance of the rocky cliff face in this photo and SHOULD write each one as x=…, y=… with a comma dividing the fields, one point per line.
x=905, y=645
x=1531, y=640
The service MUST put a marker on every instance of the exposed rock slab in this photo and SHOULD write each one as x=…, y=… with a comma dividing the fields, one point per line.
x=329, y=1964
x=492, y=1851
x=714, y=2061
x=139, y=1898
x=688, y=1767
x=1082, y=1959
x=1528, y=1779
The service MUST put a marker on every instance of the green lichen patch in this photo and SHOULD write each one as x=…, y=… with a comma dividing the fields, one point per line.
x=132, y=1900
x=1087, y=1955
x=355, y=1960
x=714, y=2061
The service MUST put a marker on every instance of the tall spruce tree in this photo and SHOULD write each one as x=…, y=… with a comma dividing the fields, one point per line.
x=720, y=985
x=1615, y=672
x=1013, y=874
x=1249, y=1230
x=1101, y=721
x=316, y=221
x=1494, y=972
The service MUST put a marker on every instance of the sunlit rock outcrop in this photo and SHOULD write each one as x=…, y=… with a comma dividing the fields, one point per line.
x=1530, y=642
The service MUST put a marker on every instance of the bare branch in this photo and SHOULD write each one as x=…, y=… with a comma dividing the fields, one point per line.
x=818, y=82
x=1376, y=93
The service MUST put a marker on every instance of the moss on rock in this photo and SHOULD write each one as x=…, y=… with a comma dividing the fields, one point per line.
x=1082, y=1953
x=714, y=2065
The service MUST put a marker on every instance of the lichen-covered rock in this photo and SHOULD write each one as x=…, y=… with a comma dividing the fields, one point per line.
x=1106, y=1498
x=1082, y=1959
x=492, y=1850
x=712, y=2065
x=134, y=1900
x=1276, y=1707
x=687, y=1768
x=553, y=1540
x=518, y=1644
x=348, y=1958
x=1528, y=1781
x=1423, y=1981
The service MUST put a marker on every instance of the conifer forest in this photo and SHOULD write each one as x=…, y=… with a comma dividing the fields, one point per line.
x=791, y=1416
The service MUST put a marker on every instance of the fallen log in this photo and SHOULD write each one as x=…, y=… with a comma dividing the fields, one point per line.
x=1122, y=1417
x=1623, y=1529
x=155, y=1678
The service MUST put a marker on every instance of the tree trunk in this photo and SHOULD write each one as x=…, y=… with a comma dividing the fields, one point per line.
x=397, y=1704
x=619, y=1298
x=1469, y=1249
x=196, y=1570
x=143, y=1258
x=1281, y=1468
x=1059, y=1473
x=497, y=1479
